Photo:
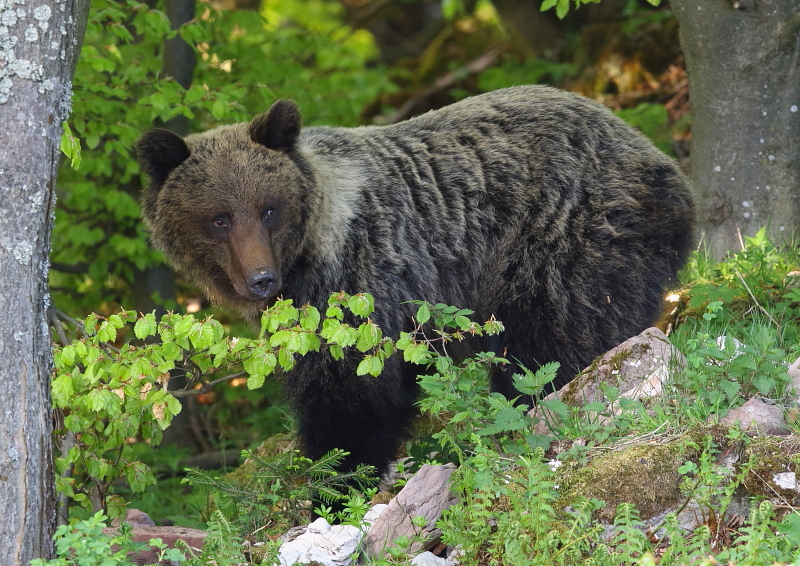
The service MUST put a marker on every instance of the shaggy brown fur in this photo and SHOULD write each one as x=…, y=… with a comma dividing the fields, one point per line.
x=533, y=204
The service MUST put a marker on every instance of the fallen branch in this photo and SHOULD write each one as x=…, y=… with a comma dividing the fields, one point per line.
x=443, y=83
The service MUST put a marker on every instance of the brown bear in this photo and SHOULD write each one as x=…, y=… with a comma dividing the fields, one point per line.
x=533, y=204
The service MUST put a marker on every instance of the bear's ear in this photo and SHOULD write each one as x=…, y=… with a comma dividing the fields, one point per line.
x=278, y=128
x=161, y=151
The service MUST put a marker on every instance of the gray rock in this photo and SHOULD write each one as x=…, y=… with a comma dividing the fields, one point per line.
x=427, y=494
x=454, y=556
x=637, y=368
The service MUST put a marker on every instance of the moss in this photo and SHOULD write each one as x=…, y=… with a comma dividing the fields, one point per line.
x=771, y=455
x=645, y=475
x=572, y=392
x=270, y=447
x=381, y=497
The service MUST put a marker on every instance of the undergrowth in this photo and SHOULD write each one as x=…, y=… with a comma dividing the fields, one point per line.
x=736, y=323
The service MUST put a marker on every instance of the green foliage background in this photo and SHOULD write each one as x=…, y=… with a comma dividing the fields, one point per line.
x=245, y=61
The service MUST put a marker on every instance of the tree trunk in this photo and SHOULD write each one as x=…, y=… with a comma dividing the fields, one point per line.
x=39, y=45
x=743, y=59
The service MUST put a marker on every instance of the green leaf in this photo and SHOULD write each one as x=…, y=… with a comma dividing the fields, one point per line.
x=63, y=389
x=423, y=313
x=139, y=476
x=219, y=109
x=417, y=353
x=371, y=365
x=95, y=400
x=219, y=351
x=508, y=419
x=560, y=408
x=194, y=94
x=531, y=383
x=310, y=322
x=171, y=351
x=145, y=326
x=595, y=407
x=261, y=363
x=336, y=351
x=285, y=359
x=334, y=312
x=404, y=342
x=66, y=356
x=202, y=335
x=361, y=304
x=337, y=333
x=369, y=336
x=184, y=326
x=71, y=147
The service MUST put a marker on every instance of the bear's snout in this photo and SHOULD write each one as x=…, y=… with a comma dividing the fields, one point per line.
x=264, y=283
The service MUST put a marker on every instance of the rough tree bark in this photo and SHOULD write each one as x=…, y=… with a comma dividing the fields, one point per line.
x=39, y=44
x=743, y=59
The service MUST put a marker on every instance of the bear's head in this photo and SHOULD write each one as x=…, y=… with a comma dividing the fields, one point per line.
x=229, y=206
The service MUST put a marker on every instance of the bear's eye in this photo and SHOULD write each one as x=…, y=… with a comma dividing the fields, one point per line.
x=269, y=213
x=219, y=222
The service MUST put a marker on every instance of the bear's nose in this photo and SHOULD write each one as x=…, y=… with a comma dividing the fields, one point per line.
x=264, y=282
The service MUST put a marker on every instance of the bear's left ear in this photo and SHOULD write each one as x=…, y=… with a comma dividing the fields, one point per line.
x=160, y=151
x=279, y=128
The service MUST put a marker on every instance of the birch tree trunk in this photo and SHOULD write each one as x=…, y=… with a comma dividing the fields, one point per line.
x=39, y=44
x=743, y=59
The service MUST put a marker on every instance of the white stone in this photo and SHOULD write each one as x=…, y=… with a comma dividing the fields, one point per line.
x=454, y=556
x=319, y=527
x=373, y=514
x=336, y=547
x=428, y=559
x=785, y=480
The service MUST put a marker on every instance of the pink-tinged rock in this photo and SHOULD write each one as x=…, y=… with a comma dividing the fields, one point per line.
x=794, y=376
x=134, y=518
x=757, y=417
x=169, y=535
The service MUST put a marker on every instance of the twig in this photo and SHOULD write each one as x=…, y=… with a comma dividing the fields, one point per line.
x=70, y=268
x=59, y=328
x=778, y=495
x=205, y=387
x=475, y=66
x=63, y=500
x=752, y=296
x=78, y=324
x=739, y=235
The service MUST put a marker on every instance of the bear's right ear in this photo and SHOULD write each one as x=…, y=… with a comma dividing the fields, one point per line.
x=161, y=151
x=279, y=128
